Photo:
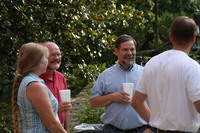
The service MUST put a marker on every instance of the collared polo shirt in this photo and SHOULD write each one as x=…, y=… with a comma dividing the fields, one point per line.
x=58, y=83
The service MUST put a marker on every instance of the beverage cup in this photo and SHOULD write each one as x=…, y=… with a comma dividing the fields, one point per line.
x=65, y=95
x=128, y=88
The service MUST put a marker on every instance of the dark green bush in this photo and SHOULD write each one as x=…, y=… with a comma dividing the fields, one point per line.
x=5, y=118
x=86, y=114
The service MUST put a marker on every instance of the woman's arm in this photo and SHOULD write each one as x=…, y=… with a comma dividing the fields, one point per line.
x=38, y=95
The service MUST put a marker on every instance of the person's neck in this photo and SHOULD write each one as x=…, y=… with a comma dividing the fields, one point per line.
x=49, y=73
x=36, y=72
x=124, y=66
x=185, y=48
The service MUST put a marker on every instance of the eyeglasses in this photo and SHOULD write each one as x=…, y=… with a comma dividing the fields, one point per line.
x=54, y=55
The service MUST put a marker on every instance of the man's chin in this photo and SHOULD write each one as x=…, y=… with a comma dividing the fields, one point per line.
x=128, y=64
x=53, y=67
x=131, y=62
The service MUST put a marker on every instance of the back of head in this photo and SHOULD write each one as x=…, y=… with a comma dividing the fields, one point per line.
x=183, y=30
x=29, y=57
x=124, y=38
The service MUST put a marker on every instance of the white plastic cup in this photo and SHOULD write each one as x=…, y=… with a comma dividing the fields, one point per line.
x=65, y=95
x=128, y=88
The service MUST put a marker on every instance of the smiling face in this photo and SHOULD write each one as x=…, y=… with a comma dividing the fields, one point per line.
x=126, y=54
x=54, y=59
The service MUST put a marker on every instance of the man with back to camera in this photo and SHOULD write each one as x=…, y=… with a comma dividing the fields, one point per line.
x=107, y=92
x=56, y=81
x=170, y=80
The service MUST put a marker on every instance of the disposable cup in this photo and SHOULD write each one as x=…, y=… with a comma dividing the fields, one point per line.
x=128, y=88
x=65, y=95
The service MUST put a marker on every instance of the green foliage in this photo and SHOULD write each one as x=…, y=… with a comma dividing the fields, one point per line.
x=7, y=70
x=5, y=118
x=83, y=75
x=196, y=57
x=82, y=28
x=89, y=115
x=145, y=60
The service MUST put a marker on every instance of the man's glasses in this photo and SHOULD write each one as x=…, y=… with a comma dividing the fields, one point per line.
x=54, y=55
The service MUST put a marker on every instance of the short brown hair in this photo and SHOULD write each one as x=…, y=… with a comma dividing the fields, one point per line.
x=183, y=29
x=124, y=38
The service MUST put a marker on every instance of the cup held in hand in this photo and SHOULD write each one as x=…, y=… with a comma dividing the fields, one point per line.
x=128, y=88
x=65, y=95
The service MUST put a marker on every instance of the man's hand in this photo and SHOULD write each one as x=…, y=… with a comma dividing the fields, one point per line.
x=64, y=106
x=121, y=97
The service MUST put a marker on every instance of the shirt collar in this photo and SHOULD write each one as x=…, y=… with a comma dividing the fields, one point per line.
x=47, y=79
x=130, y=68
x=55, y=75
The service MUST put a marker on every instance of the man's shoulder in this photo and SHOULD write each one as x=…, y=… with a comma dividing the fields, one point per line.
x=139, y=66
x=111, y=68
x=42, y=75
x=58, y=74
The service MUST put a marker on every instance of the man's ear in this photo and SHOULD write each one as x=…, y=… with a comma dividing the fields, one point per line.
x=171, y=37
x=194, y=38
x=116, y=51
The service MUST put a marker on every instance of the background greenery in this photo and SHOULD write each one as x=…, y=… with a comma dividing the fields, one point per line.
x=85, y=30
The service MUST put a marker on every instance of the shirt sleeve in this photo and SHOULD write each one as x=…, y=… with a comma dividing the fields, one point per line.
x=65, y=83
x=141, y=85
x=98, y=88
x=193, y=84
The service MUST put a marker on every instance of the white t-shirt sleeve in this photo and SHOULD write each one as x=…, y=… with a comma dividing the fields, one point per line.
x=193, y=81
x=141, y=85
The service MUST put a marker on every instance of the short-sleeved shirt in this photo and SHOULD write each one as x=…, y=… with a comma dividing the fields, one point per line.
x=109, y=81
x=171, y=82
x=58, y=83
x=29, y=119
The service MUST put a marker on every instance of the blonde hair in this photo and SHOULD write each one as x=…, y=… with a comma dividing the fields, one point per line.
x=29, y=57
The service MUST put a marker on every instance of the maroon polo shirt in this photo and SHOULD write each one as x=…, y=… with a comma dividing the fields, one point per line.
x=58, y=83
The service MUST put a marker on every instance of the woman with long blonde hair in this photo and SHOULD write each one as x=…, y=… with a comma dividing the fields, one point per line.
x=34, y=107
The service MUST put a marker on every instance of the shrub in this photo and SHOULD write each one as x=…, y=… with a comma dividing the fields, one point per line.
x=5, y=115
x=86, y=114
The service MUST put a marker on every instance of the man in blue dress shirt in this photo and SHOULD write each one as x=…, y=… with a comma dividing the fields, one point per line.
x=119, y=117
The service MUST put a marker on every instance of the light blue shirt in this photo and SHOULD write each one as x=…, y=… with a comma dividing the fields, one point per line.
x=110, y=80
x=29, y=119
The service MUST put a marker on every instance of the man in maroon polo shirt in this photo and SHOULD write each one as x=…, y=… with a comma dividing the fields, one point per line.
x=56, y=81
